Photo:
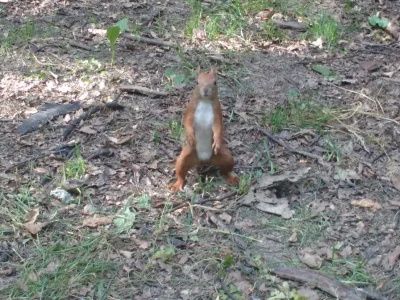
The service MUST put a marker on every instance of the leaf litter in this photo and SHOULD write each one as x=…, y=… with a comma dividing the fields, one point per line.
x=286, y=204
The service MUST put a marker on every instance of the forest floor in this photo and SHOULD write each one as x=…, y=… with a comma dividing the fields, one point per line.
x=310, y=94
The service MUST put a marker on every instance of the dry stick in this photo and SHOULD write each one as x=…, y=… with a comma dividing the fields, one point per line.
x=274, y=139
x=24, y=162
x=329, y=285
x=148, y=41
x=221, y=226
x=384, y=153
x=142, y=90
x=290, y=25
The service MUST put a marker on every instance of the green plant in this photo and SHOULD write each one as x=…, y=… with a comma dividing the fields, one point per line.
x=300, y=112
x=333, y=151
x=74, y=168
x=244, y=184
x=156, y=137
x=175, y=80
x=63, y=266
x=377, y=21
x=176, y=128
x=271, y=32
x=113, y=33
x=326, y=27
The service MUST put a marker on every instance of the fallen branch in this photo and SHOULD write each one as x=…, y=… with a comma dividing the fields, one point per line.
x=290, y=25
x=24, y=162
x=87, y=114
x=329, y=285
x=384, y=153
x=290, y=149
x=142, y=90
x=148, y=40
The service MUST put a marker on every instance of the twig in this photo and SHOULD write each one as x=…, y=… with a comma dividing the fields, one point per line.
x=226, y=289
x=24, y=162
x=305, y=62
x=329, y=285
x=148, y=41
x=80, y=45
x=274, y=139
x=384, y=153
x=170, y=156
x=142, y=90
x=87, y=114
x=290, y=25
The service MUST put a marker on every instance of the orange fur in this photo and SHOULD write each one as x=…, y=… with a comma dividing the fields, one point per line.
x=205, y=91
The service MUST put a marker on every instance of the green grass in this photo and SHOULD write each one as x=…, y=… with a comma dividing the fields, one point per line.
x=176, y=129
x=326, y=27
x=65, y=268
x=299, y=112
x=225, y=19
x=74, y=168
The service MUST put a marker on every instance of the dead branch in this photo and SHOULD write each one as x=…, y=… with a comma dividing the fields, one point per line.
x=329, y=285
x=87, y=114
x=290, y=149
x=142, y=90
x=290, y=25
x=384, y=153
x=148, y=40
x=24, y=162
x=80, y=45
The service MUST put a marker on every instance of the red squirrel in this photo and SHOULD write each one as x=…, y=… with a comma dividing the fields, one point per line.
x=204, y=132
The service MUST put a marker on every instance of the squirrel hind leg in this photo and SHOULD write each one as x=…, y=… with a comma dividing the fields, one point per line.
x=186, y=160
x=225, y=162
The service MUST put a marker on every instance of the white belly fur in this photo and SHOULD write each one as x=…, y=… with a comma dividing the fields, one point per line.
x=203, y=129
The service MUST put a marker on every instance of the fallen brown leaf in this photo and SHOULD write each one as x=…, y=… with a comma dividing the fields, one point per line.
x=32, y=215
x=390, y=260
x=366, y=203
x=97, y=221
x=88, y=130
x=34, y=228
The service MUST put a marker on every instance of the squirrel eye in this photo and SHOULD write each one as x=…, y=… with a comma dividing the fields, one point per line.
x=215, y=83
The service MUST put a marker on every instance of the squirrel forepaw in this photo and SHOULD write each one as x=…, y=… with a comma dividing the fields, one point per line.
x=216, y=146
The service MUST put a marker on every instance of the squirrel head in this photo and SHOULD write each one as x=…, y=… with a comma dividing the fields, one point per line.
x=207, y=83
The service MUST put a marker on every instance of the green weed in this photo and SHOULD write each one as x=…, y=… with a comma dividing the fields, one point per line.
x=20, y=34
x=272, y=33
x=333, y=150
x=56, y=271
x=244, y=184
x=326, y=27
x=74, y=168
x=176, y=128
x=300, y=112
x=113, y=33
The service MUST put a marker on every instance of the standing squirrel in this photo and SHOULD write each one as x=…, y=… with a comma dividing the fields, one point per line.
x=203, y=124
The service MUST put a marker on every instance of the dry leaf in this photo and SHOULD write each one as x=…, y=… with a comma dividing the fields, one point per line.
x=281, y=208
x=32, y=215
x=366, y=203
x=313, y=261
x=144, y=244
x=41, y=171
x=390, y=260
x=293, y=238
x=184, y=258
x=127, y=254
x=88, y=130
x=97, y=221
x=34, y=228
x=396, y=182
x=225, y=217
